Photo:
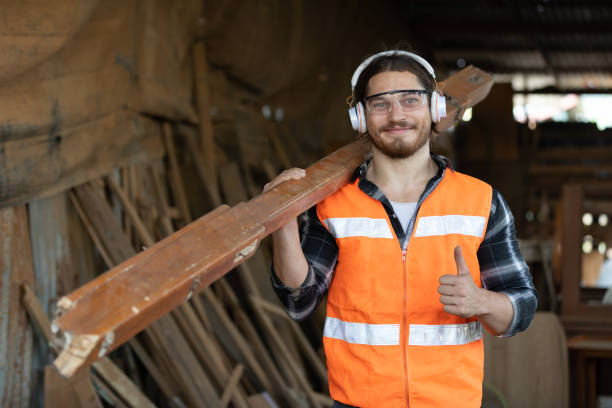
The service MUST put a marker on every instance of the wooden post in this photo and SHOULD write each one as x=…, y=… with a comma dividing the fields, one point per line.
x=207, y=137
x=16, y=335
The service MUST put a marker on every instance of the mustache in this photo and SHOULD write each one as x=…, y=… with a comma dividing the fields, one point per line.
x=399, y=124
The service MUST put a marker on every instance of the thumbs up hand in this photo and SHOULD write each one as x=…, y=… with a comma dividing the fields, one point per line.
x=458, y=293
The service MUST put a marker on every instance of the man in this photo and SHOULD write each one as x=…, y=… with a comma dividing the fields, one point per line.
x=416, y=257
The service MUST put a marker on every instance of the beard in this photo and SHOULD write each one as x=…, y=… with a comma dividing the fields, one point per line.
x=398, y=147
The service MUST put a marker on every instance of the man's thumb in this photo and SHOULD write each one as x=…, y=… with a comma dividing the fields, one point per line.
x=462, y=267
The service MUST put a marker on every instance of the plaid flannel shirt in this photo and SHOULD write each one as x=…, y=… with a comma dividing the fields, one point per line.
x=502, y=267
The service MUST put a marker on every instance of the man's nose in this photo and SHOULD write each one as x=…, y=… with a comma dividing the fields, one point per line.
x=396, y=111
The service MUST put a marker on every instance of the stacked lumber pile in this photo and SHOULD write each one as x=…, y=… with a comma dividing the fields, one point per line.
x=214, y=349
x=102, y=154
x=230, y=345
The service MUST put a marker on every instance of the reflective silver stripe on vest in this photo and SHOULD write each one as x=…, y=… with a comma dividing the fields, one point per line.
x=450, y=224
x=444, y=334
x=362, y=333
x=359, y=227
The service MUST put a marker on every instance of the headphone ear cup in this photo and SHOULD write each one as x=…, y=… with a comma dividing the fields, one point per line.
x=438, y=107
x=357, y=116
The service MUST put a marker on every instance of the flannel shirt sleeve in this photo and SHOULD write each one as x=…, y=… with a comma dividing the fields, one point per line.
x=502, y=267
x=321, y=252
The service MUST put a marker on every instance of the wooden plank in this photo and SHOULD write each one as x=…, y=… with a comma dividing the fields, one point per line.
x=202, y=344
x=267, y=373
x=229, y=240
x=160, y=379
x=190, y=374
x=183, y=362
x=106, y=393
x=109, y=236
x=120, y=383
x=463, y=90
x=210, y=183
x=302, y=340
x=141, y=289
x=55, y=274
x=571, y=255
x=207, y=136
x=231, y=386
x=93, y=234
x=280, y=346
x=237, y=337
x=77, y=392
x=176, y=183
x=16, y=335
x=280, y=150
x=208, y=350
x=255, y=271
x=53, y=270
x=262, y=401
x=40, y=166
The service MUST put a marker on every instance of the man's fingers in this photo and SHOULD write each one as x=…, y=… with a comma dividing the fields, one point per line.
x=462, y=268
x=448, y=290
x=448, y=279
x=291, y=174
x=448, y=300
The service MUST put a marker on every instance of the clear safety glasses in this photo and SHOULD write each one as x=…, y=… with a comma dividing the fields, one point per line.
x=407, y=99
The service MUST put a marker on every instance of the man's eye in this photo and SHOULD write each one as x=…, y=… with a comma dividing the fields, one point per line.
x=380, y=105
x=409, y=101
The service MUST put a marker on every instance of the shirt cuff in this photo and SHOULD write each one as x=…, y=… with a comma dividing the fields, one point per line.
x=513, y=327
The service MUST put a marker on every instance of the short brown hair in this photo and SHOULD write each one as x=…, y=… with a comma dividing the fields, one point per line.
x=394, y=62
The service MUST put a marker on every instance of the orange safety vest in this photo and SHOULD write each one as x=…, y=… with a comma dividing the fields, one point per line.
x=387, y=339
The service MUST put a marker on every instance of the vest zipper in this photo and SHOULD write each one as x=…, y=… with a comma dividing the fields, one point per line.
x=404, y=326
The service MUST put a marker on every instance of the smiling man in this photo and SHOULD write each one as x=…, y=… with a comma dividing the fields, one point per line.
x=415, y=257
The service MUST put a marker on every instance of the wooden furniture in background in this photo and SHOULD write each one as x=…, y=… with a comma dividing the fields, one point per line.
x=586, y=351
x=578, y=316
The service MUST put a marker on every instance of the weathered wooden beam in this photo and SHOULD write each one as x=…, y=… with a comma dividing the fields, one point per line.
x=116, y=379
x=198, y=255
x=16, y=335
x=463, y=90
x=103, y=314
x=40, y=166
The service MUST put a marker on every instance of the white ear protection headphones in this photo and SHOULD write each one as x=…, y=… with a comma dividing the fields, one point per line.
x=357, y=114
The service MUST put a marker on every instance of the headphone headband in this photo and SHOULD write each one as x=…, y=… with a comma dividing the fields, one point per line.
x=357, y=114
x=367, y=62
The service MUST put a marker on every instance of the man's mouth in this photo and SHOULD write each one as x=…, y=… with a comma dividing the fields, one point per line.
x=398, y=129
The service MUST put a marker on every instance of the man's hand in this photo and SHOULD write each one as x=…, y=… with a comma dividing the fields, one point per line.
x=458, y=293
x=294, y=173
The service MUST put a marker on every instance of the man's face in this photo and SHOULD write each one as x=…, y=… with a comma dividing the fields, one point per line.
x=400, y=132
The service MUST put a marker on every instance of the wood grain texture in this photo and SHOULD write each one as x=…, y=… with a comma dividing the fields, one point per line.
x=27, y=39
x=15, y=332
x=463, y=90
x=171, y=346
x=75, y=392
x=40, y=166
x=114, y=61
x=147, y=286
